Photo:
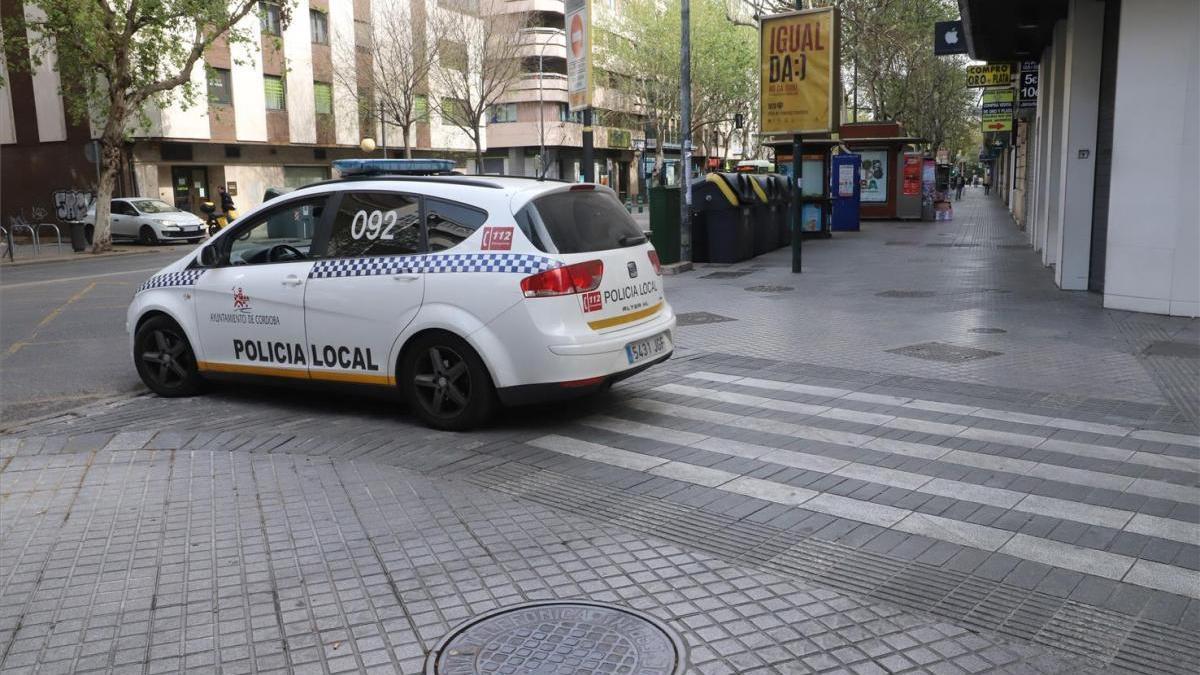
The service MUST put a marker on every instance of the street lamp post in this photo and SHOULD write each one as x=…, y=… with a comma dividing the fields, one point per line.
x=685, y=127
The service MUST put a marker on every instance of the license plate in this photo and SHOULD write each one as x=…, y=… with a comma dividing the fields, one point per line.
x=648, y=348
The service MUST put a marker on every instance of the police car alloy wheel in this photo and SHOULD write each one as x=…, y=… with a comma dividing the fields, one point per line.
x=147, y=235
x=164, y=358
x=446, y=383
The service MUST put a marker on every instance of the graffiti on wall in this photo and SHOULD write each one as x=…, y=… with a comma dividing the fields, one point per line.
x=72, y=205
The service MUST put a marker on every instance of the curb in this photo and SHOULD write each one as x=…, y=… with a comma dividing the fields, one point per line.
x=83, y=255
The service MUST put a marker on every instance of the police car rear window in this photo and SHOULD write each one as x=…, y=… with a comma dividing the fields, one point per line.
x=583, y=221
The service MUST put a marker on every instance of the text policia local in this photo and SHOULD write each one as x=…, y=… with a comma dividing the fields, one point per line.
x=292, y=353
x=787, y=47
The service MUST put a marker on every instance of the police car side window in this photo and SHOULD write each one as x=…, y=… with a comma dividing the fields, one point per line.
x=449, y=223
x=283, y=235
x=375, y=223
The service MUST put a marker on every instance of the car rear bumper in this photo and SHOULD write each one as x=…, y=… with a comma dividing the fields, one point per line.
x=527, y=394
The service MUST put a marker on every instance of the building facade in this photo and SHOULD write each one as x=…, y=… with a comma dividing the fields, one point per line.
x=1101, y=172
x=271, y=113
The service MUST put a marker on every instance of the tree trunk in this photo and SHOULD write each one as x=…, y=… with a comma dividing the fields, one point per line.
x=110, y=164
x=404, y=137
x=478, y=156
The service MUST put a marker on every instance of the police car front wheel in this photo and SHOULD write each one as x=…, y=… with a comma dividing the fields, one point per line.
x=447, y=383
x=164, y=358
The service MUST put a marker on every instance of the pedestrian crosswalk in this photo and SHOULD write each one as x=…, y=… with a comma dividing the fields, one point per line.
x=1092, y=488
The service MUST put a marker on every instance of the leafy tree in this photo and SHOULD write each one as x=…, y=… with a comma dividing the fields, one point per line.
x=643, y=45
x=116, y=58
x=403, y=42
x=479, y=58
x=898, y=76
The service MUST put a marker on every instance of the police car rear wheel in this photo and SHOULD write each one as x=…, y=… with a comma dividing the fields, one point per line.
x=165, y=360
x=447, y=383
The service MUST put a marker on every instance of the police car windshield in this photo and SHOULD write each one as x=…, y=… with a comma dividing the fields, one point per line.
x=583, y=221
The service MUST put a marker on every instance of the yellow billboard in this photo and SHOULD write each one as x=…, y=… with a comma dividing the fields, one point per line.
x=798, y=83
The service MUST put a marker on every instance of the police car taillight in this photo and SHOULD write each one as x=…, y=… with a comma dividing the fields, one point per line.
x=566, y=280
x=654, y=261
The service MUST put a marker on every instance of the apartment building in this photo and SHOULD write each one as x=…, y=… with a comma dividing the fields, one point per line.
x=277, y=111
x=534, y=112
x=272, y=113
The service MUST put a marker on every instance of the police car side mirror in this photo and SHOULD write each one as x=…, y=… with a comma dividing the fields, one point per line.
x=208, y=256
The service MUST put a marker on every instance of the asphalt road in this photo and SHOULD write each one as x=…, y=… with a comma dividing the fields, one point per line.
x=62, y=331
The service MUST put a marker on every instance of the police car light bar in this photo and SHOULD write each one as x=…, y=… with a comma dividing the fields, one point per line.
x=393, y=167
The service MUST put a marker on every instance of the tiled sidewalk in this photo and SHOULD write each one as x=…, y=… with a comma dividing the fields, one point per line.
x=968, y=284
x=800, y=490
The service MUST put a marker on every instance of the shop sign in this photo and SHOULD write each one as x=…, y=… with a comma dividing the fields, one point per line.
x=578, y=20
x=1027, y=85
x=873, y=179
x=997, y=110
x=798, y=61
x=912, y=175
x=948, y=38
x=989, y=75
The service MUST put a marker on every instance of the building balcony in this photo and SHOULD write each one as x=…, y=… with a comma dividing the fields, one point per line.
x=545, y=42
x=525, y=89
x=558, y=134
x=518, y=6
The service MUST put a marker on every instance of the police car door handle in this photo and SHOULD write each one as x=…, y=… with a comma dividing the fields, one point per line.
x=291, y=280
x=406, y=277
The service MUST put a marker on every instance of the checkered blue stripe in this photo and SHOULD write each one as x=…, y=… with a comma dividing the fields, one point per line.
x=184, y=278
x=504, y=263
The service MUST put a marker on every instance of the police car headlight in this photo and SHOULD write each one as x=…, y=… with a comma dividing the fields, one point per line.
x=168, y=224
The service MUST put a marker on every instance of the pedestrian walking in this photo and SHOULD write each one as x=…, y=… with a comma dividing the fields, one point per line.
x=987, y=186
x=958, y=187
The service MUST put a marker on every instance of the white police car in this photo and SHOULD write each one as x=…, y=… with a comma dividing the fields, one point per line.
x=460, y=291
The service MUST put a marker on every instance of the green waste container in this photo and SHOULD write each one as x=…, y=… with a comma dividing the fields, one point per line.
x=664, y=223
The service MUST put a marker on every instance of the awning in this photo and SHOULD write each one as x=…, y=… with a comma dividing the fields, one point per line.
x=1009, y=30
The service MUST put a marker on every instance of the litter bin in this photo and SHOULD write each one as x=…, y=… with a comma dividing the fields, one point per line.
x=725, y=216
x=766, y=233
x=664, y=224
x=78, y=243
x=781, y=197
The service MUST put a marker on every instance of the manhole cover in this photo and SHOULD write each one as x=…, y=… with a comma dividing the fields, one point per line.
x=940, y=351
x=696, y=318
x=769, y=289
x=559, y=637
x=988, y=331
x=726, y=275
x=906, y=294
x=1187, y=350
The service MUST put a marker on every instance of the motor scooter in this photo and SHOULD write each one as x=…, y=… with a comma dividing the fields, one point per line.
x=216, y=221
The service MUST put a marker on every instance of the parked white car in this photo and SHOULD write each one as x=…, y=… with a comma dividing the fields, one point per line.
x=460, y=292
x=150, y=221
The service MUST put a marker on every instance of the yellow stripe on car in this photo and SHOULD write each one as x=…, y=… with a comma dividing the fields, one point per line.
x=625, y=318
x=325, y=375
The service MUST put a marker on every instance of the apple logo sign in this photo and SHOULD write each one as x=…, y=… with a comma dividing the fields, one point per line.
x=952, y=36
